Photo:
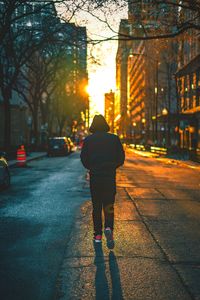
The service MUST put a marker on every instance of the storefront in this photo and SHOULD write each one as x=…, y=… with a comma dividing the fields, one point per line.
x=188, y=92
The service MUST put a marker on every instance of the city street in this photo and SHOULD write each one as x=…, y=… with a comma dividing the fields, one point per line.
x=37, y=215
x=46, y=233
x=157, y=238
x=85, y=79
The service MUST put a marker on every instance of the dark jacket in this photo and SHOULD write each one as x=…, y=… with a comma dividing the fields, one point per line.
x=102, y=153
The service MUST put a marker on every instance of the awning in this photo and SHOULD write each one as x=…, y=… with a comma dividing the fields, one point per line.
x=190, y=68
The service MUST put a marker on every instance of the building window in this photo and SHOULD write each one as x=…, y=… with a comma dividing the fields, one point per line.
x=194, y=81
x=187, y=103
x=194, y=103
x=182, y=103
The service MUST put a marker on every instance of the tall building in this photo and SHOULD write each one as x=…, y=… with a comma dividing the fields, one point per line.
x=148, y=84
x=151, y=16
x=188, y=88
x=76, y=72
x=109, y=109
x=21, y=21
x=121, y=79
x=137, y=92
x=37, y=23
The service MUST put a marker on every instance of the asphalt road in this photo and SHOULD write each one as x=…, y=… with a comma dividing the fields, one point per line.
x=157, y=238
x=46, y=241
x=36, y=218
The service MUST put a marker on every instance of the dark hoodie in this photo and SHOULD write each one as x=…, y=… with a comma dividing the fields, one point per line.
x=102, y=152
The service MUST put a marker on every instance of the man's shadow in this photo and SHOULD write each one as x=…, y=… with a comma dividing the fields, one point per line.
x=101, y=282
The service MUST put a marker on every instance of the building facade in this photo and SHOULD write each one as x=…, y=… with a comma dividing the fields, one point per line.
x=109, y=109
x=188, y=90
x=121, y=80
x=149, y=85
x=17, y=21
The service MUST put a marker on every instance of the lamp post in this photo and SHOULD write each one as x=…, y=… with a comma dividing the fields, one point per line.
x=143, y=129
x=156, y=103
x=134, y=129
x=165, y=114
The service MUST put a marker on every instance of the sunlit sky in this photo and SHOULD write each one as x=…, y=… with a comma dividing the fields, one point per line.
x=102, y=77
x=101, y=74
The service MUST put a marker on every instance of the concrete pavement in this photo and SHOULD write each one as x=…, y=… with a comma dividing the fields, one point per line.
x=166, y=159
x=157, y=239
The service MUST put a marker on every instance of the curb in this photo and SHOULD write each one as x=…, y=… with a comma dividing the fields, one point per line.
x=167, y=160
x=13, y=164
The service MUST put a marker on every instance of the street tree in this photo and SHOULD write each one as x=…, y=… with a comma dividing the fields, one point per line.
x=25, y=26
x=34, y=85
x=20, y=40
x=169, y=18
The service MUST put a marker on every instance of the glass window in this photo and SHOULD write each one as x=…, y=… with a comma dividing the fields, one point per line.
x=182, y=103
x=187, y=103
x=194, y=81
x=194, y=103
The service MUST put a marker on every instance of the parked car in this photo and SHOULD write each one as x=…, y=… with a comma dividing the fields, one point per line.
x=58, y=146
x=4, y=171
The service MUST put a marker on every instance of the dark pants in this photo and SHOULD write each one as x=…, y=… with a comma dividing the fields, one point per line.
x=103, y=192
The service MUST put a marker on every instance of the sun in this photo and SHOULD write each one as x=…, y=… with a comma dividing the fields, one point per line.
x=100, y=82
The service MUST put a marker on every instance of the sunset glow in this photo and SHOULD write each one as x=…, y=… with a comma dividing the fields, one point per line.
x=102, y=72
x=100, y=82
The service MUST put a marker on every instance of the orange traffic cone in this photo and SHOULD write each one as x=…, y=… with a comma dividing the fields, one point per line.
x=21, y=156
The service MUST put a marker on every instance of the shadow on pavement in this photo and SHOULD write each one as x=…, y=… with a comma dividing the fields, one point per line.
x=101, y=282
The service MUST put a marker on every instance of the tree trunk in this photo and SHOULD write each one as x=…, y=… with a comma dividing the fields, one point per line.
x=61, y=126
x=7, y=120
x=60, y=130
x=35, y=130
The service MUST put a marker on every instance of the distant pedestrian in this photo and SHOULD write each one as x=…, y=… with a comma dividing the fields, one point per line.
x=102, y=153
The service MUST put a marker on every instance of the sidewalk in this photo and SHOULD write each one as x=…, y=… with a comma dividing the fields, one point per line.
x=31, y=156
x=168, y=160
x=137, y=268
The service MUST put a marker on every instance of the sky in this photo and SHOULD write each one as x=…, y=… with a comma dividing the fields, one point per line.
x=101, y=74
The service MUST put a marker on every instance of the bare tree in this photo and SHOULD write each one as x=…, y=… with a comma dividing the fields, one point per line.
x=20, y=38
x=19, y=41
x=168, y=19
x=25, y=26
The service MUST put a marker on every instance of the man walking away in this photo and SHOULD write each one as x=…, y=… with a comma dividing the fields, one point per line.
x=102, y=153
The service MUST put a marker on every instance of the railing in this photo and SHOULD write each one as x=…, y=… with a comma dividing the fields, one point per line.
x=137, y=147
x=159, y=150
x=153, y=149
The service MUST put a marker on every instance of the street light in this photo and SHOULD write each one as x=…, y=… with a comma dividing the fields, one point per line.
x=164, y=112
x=134, y=128
x=143, y=120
